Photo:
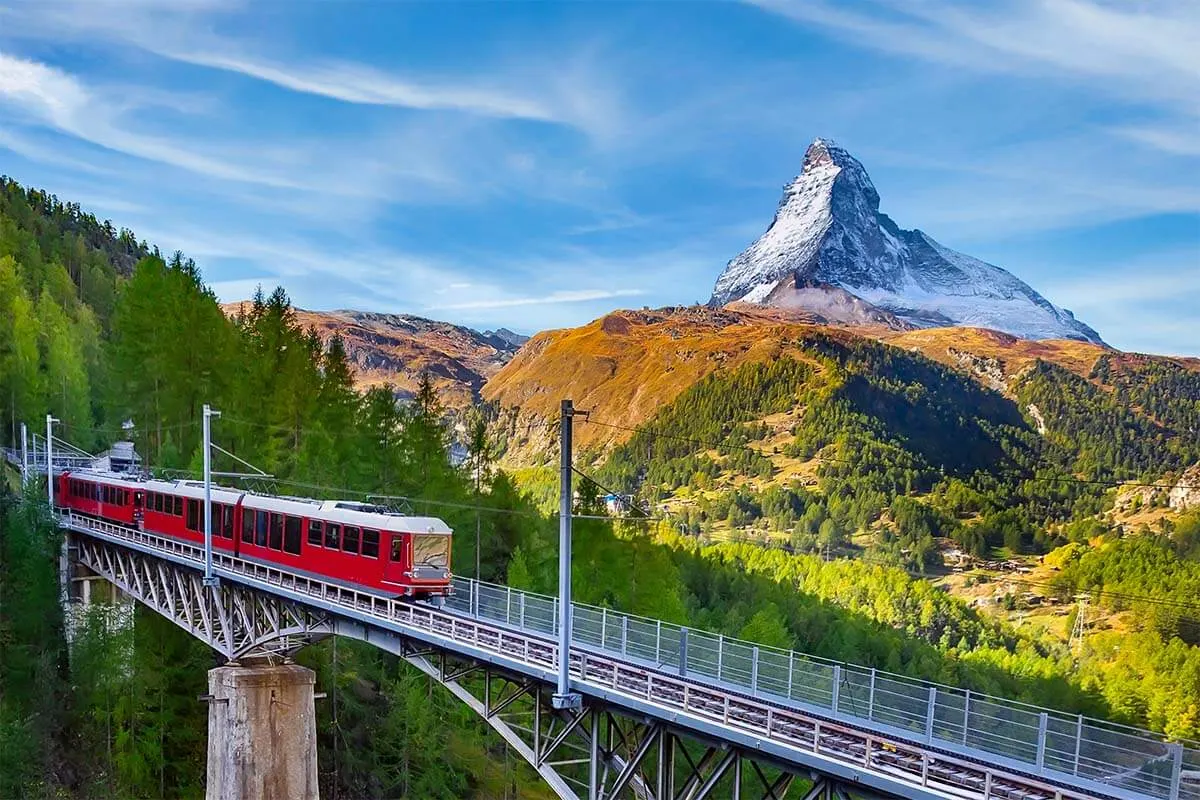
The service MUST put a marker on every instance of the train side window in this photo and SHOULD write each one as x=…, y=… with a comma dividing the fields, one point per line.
x=247, y=526
x=193, y=516
x=315, y=532
x=370, y=543
x=291, y=535
x=397, y=548
x=276, y=541
x=333, y=533
x=103, y=494
x=227, y=522
x=260, y=528
x=350, y=539
x=178, y=506
x=158, y=502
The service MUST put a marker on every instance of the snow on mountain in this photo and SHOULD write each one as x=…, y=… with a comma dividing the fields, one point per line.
x=828, y=230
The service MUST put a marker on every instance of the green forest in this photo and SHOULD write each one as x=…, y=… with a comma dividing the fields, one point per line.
x=118, y=340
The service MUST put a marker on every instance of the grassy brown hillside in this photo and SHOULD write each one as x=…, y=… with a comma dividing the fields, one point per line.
x=396, y=348
x=628, y=364
x=993, y=357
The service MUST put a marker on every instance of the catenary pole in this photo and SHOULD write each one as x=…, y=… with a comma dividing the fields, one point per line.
x=24, y=457
x=564, y=698
x=209, y=578
x=50, y=420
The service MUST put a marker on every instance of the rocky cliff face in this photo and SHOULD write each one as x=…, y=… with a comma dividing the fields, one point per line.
x=828, y=230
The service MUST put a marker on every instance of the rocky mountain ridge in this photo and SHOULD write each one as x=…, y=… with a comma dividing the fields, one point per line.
x=397, y=348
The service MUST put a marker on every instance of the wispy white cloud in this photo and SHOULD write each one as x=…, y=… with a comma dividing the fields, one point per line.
x=1143, y=49
x=46, y=95
x=358, y=83
x=1144, y=53
x=565, y=90
x=30, y=148
x=1173, y=275
x=563, y=296
x=1147, y=303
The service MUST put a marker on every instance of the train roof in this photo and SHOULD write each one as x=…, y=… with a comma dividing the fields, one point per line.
x=345, y=512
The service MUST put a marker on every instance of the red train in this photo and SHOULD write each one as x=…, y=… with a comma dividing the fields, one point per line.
x=342, y=541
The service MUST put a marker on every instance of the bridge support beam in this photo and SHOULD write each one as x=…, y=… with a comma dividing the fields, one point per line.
x=262, y=732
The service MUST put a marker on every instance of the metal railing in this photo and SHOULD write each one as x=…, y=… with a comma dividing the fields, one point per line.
x=1039, y=741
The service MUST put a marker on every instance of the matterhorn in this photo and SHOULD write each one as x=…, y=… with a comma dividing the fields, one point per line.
x=829, y=239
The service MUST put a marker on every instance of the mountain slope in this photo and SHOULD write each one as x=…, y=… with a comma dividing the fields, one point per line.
x=628, y=365
x=828, y=230
x=397, y=348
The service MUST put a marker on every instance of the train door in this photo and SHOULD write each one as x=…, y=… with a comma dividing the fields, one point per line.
x=397, y=556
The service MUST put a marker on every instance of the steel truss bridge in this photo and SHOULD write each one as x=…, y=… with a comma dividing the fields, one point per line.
x=668, y=713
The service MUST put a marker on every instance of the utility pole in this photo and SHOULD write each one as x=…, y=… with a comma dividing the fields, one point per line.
x=1080, y=626
x=564, y=697
x=50, y=420
x=209, y=578
x=477, y=521
x=24, y=457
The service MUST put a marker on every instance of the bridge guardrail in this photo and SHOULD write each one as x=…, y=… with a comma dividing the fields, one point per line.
x=1037, y=740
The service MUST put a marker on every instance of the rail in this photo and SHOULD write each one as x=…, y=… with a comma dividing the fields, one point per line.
x=918, y=732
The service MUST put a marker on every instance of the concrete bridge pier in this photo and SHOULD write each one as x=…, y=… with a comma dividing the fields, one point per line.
x=262, y=732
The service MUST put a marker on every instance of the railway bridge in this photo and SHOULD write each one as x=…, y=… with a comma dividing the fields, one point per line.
x=667, y=712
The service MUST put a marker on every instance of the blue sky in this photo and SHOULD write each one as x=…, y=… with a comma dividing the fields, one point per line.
x=536, y=164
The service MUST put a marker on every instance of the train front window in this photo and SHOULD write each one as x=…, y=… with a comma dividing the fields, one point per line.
x=431, y=550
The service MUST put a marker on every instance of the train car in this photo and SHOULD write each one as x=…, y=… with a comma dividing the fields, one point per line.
x=350, y=543
x=101, y=495
x=176, y=508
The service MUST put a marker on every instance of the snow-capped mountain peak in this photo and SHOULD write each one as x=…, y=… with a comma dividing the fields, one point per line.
x=828, y=229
